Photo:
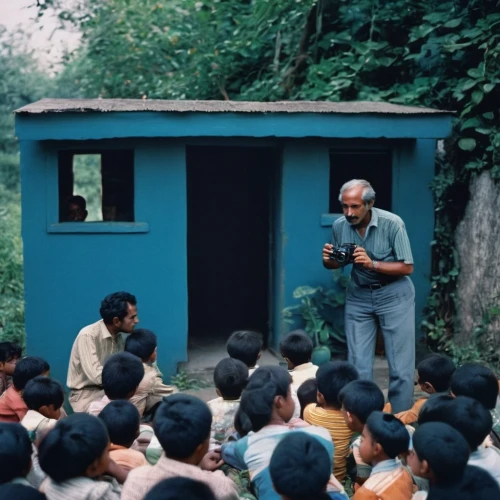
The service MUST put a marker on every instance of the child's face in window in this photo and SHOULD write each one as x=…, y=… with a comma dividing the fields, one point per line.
x=8, y=367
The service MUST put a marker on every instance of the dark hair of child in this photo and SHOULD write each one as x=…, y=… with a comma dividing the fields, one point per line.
x=469, y=417
x=43, y=391
x=122, y=420
x=332, y=377
x=182, y=423
x=245, y=345
x=20, y=492
x=142, y=343
x=121, y=375
x=28, y=368
x=434, y=408
x=15, y=452
x=296, y=347
x=477, y=382
x=388, y=432
x=238, y=424
x=9, y=351
x=72, y=446
x=361, y=398
x=183, y=488
x=230, y=378
x=300, y=467
x=475, y=484
x=115, y=305
x=307, y=394
x=257, y=400
x=444, y=449
x=436, y=370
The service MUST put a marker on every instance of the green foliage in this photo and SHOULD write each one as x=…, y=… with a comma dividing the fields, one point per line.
x=184, y=383
x=321, y=313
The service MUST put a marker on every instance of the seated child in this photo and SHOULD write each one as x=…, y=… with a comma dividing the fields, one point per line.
x=434, y=375
x=300, y=468
x=15, y=454
x=265, y=415
x=384, y=437
x=230, y=378
x=143, y=344
x=12, y=406
x=297, y=347
x=439, y=454
x=20, y=492
x=307, y=393
x=332, y=377
x=74, y=455
x=475, y=484
x=44, y=397
x=122, y=421
x=245, y=346
x=359, y=399
x=180, y=487
x=121, y=375
x=9, y=355
x=469, y=417
x=479, y=382
x=182, y=425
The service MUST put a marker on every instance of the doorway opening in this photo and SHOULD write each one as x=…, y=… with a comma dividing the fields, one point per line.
x=229, y=238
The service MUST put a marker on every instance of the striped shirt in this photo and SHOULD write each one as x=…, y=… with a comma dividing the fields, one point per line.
x=92, y=347
x=333, y=421
x=385, y=240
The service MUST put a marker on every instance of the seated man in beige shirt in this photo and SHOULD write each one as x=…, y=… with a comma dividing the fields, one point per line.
x=93, y=346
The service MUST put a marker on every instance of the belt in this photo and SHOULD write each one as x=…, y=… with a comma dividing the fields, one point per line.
x=376, y=286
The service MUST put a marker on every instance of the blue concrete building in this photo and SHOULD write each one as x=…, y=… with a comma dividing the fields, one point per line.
x=210, y=212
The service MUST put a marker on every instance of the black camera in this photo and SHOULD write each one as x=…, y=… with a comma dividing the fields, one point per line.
x=343, y=254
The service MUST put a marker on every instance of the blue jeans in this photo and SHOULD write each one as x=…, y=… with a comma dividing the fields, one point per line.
x=393, y=306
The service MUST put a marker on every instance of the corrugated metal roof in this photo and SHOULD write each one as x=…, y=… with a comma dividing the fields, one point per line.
x=159, y=105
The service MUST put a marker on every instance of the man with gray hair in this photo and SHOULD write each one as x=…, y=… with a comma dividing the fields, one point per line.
x=381, y=292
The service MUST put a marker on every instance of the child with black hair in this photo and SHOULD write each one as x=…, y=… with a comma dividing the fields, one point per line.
x=178, y=488
x=20, y=492
x=475, y=484
x=9, y=355
x=296, y=348
x=15, y=454
x=307, y=394
x=332, y=377
x=358, y=400
x=230, y=378
x=439, y=454
x=44, y=398
x=182, y=426
x=434, y=375
x=74, y=455
x=122, y=421
x=12, y=406
x=143, y=344
x=265, y=415
x=300, y=469
x=121, y=375
x=384, y=437
x=469, y=417
x=245, y=346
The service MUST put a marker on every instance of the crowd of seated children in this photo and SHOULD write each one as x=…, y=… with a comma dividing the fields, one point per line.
x=178, y=488
x=121, y=375
x=182, y=425
x=331, y=378
x=9, y=355
x=12, y=406
x=383, y=439
x=122, y=422
x=358, y=400
x=144, y=344
x=245, y=346
x=230, y=378
x=300, y=468
x=296, y=348
x=434, y=376
x=75, y=457
x=265, y=418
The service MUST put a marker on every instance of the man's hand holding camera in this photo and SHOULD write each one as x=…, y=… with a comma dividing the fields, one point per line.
x=361, y=257
x=335, y=257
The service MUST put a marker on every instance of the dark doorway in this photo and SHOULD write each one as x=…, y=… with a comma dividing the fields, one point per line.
x=229, y=226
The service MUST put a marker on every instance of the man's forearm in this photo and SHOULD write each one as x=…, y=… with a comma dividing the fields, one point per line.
x=331, y=264
x=394, y=268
